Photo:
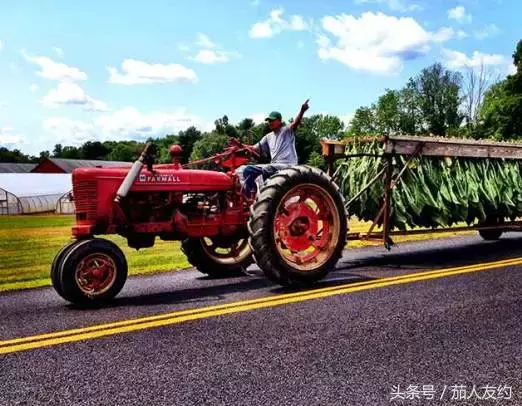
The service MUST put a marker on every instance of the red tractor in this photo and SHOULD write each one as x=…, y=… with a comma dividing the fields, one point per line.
x=294, y=227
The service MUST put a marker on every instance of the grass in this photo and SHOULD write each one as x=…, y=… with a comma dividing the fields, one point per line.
x=28, y=245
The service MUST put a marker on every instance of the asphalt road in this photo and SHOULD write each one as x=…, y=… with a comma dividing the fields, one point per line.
x=368, y=334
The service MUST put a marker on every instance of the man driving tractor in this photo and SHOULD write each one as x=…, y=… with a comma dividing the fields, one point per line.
x=279, y=144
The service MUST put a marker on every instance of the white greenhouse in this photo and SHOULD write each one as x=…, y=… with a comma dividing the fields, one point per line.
x=28, y=193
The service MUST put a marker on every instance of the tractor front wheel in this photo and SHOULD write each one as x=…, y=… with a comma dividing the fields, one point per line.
x=218, y=257
x=90, y=272
x=298, y=226
x=55, y=266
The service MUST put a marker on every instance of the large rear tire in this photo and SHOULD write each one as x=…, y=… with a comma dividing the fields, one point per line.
x=207, y=255
x=92, y=272
x=298, y=226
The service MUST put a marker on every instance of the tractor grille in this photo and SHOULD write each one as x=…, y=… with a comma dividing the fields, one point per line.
x=85, y=200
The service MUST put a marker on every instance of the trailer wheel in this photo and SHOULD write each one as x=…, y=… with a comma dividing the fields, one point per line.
x=218, y=257
x=492, y=234
x=298, y=226
x=55, y=266
x=92, y=272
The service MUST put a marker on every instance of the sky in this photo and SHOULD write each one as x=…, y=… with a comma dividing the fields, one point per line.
x=74, y=71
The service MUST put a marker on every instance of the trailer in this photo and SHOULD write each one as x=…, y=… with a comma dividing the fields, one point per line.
x=412, y=147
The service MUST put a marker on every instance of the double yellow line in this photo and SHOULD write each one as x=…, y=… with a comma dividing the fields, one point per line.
x=125, y=326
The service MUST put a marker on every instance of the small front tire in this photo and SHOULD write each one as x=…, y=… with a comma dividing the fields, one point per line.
x=92, y=272
x=55, y=266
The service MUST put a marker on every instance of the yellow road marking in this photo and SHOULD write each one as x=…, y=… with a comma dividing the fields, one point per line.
x=102, y=330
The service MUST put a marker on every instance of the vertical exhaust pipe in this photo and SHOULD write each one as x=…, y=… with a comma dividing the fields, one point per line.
x=133, y=174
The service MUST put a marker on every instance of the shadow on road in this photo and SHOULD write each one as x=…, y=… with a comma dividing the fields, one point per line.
x=421, y=255
x=439, y=254
x=217, y=293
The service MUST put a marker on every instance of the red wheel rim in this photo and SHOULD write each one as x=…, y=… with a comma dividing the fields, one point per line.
x=306, y=227
x=95, y=274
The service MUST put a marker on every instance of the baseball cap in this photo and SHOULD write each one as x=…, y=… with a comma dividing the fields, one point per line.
x=274, y=115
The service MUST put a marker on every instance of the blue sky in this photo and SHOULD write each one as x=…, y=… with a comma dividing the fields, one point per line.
x=73, y=71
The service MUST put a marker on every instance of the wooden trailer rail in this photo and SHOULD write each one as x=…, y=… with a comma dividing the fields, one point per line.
x=415, y=146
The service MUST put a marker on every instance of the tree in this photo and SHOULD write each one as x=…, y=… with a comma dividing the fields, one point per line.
x=477, y=81
x=437, y=91
x=317, y=160
x=57, y=151
x=224, y=127
x=363, y=122
x=14, y=156
x=411, y=115
x=186, y=140
x=70, y=152
x=501, y=111
x=246, y=130
x=208, y=145
x=327, y=127
x=388, y=113
x=93, y=150
x=127, y=152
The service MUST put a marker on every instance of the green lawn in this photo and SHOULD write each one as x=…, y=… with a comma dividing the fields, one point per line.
x=28, y=245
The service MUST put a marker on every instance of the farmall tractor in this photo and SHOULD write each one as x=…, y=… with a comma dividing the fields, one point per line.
x=294, y=227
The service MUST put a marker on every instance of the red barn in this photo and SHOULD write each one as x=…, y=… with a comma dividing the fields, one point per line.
x=59, y=165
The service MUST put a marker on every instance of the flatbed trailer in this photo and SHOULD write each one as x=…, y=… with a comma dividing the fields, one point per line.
x=413, y=147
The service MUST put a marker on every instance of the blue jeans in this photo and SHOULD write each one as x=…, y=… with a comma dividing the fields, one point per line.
x=251, y=172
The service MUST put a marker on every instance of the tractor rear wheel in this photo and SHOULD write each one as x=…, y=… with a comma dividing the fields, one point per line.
x=91, y=272
x=298, y=226
x=218, y=257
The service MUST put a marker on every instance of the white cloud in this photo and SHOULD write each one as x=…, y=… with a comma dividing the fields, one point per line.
x=276, y=24
x=210, y=52
x=131, y=123
x=64, y=130
x=52, y=70
x=209, y=56
x=444, y=34
x=71, y=94
x=258, y=118
x=184, y=48
x=139, y=72
x=461, y=34
x=204, y=42
x=512, y=69
x=1, y=46
x=34, y=87
x=459, y=14
x=487, y=31
x=459, y=60
x=394, y=5
x=8, y=138
x=58, y=51
x=347, y=119
x=375, y=42
x=124, y=124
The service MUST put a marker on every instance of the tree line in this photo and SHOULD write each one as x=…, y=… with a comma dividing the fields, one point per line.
x=437, y=101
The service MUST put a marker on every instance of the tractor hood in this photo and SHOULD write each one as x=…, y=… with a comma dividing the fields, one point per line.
x=162, y=179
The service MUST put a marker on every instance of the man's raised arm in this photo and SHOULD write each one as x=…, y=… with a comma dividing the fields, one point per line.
x=297, y=120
